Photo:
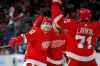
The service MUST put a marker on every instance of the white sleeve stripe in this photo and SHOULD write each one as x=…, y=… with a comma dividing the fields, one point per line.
x=78, y=57
x=34, y=62
x=57, y=62
x=56, y=19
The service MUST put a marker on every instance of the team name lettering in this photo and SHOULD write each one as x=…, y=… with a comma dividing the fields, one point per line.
x=85, y=31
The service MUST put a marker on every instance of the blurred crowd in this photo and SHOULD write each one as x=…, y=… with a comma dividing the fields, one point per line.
x=16, y=17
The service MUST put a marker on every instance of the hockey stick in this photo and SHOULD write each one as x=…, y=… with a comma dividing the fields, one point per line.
x=5, y=46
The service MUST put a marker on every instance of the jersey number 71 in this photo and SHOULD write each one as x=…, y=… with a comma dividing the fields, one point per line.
x=83, y=40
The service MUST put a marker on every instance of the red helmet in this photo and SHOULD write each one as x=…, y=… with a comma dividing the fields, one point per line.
x=84, y=13
x=47, y=19
x=39, y=19
x=46, y=24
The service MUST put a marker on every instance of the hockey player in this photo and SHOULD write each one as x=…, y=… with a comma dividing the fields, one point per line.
x=81, y=40
x=38, y=41
x=81, y=36
x=57, y=47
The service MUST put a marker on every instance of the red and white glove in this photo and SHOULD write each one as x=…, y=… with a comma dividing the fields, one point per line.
x=58, y=1
x=15, y=40
x=37, y=22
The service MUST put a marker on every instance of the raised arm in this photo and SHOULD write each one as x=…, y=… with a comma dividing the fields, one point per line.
x=15, y=40
x=55, y=8
x=57, y=16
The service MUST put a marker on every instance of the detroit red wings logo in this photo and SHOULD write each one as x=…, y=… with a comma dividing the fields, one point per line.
x=45, y=44
x=57, y=43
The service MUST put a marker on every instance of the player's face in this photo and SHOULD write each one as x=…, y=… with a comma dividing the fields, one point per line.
x=46, y=26
x=85, y=14
x=86, y=18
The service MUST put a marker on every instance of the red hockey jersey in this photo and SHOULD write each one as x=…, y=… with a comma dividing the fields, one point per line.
x=37, y=45
x=81, y=36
